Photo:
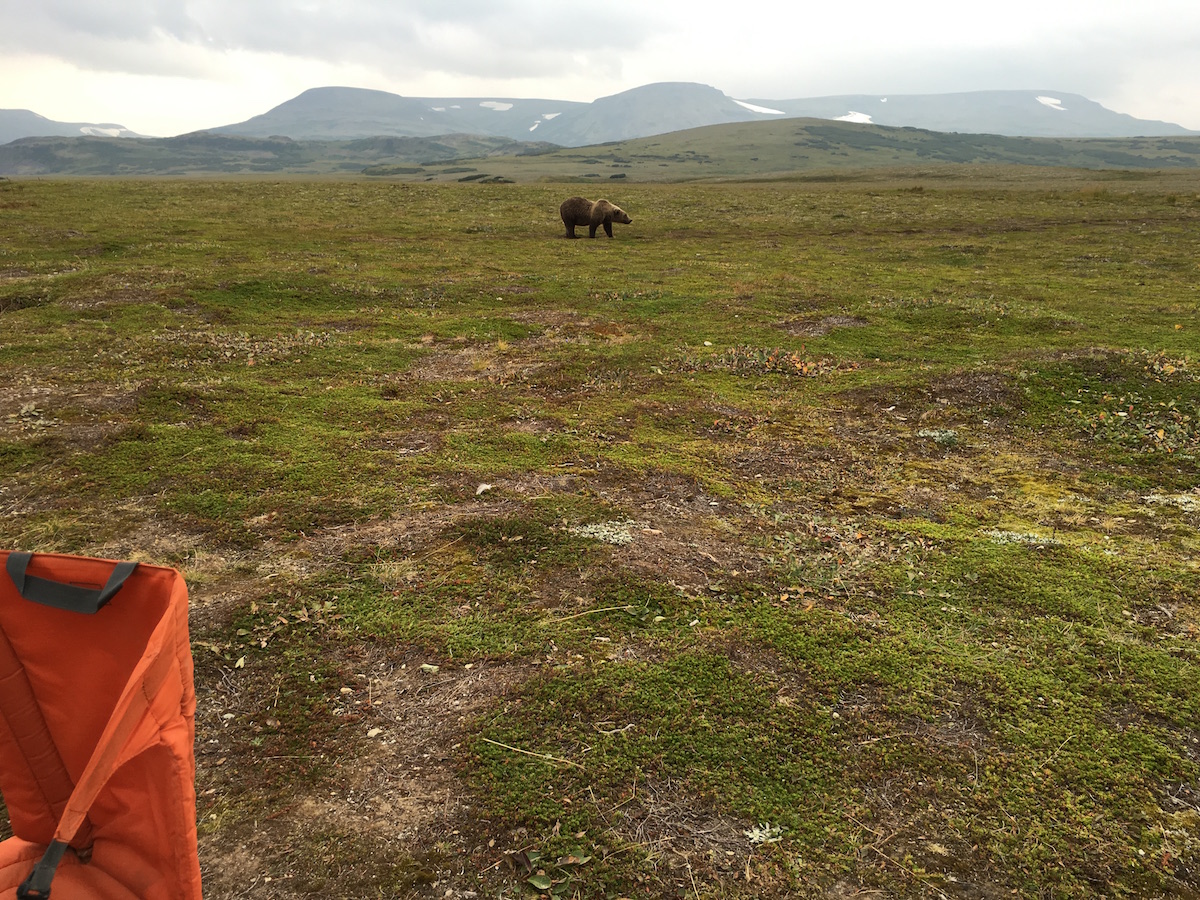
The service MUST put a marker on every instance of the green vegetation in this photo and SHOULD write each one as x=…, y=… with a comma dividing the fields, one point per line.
x=807, y=148
x=810, y=537
x=219, y=154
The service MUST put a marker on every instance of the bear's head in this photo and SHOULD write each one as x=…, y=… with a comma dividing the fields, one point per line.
x=619, y=215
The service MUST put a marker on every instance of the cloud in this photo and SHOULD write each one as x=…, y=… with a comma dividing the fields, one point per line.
x=145, y=41
x=472, y=38
x=270, y=50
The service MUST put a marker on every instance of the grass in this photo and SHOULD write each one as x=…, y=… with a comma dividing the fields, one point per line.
x=805, y=539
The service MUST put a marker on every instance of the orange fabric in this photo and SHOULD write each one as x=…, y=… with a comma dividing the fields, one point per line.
x=106, y=702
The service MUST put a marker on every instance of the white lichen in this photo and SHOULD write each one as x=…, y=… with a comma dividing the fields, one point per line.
x=764, y=833
x=1186, y=502
x=1022, y=537
x=943, y=437
x=616, y=532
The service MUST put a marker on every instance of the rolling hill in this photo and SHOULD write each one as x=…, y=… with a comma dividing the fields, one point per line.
x=204, y=153
x=778, y=148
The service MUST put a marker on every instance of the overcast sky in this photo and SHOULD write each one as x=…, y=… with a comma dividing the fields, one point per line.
x=165, y=67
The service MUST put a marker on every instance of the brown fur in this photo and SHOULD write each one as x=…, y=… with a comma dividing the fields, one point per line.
x=581, y=211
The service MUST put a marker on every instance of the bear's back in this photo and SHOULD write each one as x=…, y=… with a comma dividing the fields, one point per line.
x=576, y=211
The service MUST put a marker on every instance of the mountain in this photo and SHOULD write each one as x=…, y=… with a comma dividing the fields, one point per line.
x=19, y=123
x=645, y=111
x=345, y=113
x=340, y=113
x=1013, y=113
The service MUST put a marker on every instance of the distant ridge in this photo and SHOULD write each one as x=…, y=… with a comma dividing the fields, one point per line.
x=20, y=123
x=1011, y=113
x=349, y=113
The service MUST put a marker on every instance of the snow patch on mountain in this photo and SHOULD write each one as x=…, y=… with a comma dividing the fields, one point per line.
x=761, y=109
x=496, y=105
x=547, y=117
x=1052, y=102
x=856, y=117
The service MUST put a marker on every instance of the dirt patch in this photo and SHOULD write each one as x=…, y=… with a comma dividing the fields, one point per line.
x=966, y=395
x=817, y=327
x=521, y=360
x=405, y=783
x=533, y=426
x=664, y=819
x=403, y=443
x=82, y=415
x=398, y=799
x=472, y=364
x=680, y=528
x=111, y=297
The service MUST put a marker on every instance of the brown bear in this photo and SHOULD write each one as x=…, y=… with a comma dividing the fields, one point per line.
x=580, y=211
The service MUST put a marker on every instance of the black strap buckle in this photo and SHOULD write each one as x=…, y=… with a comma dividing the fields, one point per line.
x=37, y=885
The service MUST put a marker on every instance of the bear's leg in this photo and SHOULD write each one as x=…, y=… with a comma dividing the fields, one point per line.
x=570, y=230
x=608, y=227
x=591, y=231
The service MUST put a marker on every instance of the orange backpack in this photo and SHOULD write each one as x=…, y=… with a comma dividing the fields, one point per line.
x=97, y=730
